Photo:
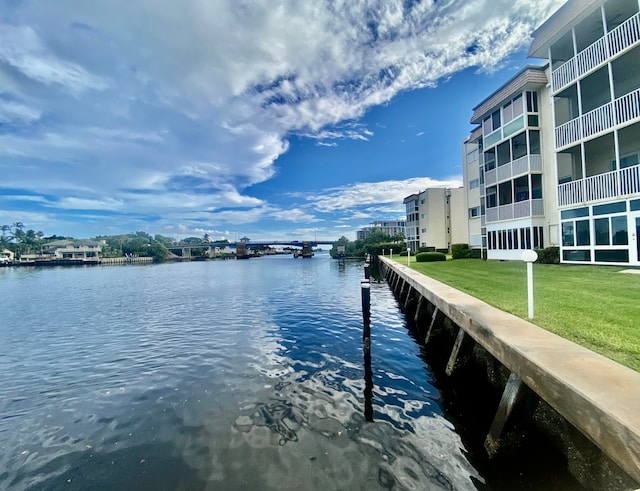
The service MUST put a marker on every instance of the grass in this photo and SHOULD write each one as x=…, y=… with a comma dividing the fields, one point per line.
x=594, y=306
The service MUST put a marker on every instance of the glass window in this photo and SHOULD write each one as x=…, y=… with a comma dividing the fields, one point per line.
x=491, y=197
x=635, y=205
x=519, y=146
x=577, y=256
x=534, y=142
x=528, y=237
x=567, y=234
x=619, y=207
x=629, y=161
x=504, y=154
x=532, y=102
x=582, y=232
x=517, y=106
x=505, y=193
x=507, y=112
x=533, y=120
x=495, y=119
x=521, y=185
x=536, y=186
x=474, y=183
x=575, y=213
x=619, y=230
x=613, y=256
x=486, y=126
x=490, y=159
x=601, y=227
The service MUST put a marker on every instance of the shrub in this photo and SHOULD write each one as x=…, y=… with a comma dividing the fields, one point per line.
x=443, y=251
x=426, y=249
x=475, y=253
x=548, y=255
x=460, y=251
x=427, y=257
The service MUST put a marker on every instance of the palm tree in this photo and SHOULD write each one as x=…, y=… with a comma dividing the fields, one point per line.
x=5, y=239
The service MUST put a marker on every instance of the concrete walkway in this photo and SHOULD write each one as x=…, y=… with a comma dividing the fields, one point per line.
x=598, y=396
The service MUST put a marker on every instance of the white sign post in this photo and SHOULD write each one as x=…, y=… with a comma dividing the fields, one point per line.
x=530, y=256
x=408, y=257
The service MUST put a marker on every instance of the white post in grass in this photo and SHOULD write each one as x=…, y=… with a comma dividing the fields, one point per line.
x=530, y=256
x=408, y=256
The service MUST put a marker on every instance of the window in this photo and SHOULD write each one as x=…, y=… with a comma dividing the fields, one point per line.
x=495, y=119
x=474, y=183
x=492, y=197
x=507, y=111
x=505, y=193
x=619, y=230
x=519, y=146
x=521, y=185
x=582, y=233
x=474, y=212
x=536, y=186
x=567, y=234
x=504, y=153
x=490, y=159
x=601, y=226
x=538, y=237
x=422, y=202
x=532, y=102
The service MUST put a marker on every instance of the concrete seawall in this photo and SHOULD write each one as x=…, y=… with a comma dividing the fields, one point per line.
x=567, y=382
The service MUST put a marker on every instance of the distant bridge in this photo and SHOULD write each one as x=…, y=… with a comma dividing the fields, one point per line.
x=241, y=247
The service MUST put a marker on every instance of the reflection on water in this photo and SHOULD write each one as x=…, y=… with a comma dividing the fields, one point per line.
x=215, y=375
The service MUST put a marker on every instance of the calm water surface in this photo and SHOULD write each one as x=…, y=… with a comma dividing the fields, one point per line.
x=214, y=375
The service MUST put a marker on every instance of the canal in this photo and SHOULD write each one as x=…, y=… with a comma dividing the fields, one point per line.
x=223, y=375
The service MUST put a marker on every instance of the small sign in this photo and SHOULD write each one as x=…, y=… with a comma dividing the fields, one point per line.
x=341, y=249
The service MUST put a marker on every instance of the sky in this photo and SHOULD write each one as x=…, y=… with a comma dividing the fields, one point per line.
x=270, y=119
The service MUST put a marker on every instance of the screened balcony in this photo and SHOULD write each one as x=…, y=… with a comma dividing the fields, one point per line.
x=518, y=198
x=593, y=46
x=602, y=176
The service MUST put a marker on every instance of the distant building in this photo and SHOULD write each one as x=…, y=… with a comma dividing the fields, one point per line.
x=389, y=227
x=436, y=217
x=73, y=249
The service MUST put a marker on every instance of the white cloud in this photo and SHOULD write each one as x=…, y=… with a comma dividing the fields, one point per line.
x=165, y=107
x=361, y=194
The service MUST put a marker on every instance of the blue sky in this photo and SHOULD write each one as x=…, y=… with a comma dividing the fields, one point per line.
x=261, y=118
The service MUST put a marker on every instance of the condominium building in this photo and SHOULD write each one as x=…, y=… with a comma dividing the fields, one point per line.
x=436, y=217
x=510, y=195
x=389, y=227
x=557, y=148
x=593, y=53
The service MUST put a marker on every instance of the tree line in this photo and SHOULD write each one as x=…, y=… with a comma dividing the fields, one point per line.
x=20, y=241
x=374, y=243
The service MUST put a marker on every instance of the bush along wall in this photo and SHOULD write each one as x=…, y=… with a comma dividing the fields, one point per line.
x=548, y=255
x=460, y=251
x=426, y=257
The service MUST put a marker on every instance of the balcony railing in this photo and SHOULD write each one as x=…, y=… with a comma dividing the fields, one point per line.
x=621, y=110
x=525, y=164
x=521, y=209
x=622, y=37
x=609, y=185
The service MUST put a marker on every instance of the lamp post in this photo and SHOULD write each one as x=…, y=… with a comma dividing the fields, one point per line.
x=530, y=256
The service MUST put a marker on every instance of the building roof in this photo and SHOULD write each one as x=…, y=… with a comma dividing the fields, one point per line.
x=531, y=76
x=570, y=14
x=411, y=197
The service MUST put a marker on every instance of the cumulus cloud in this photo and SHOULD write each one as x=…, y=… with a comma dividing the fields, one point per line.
x=361, y=194
x=169, y=106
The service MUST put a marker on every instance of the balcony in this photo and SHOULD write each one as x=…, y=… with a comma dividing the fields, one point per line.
x=622, y=110
x=521, y=209
x=619, y=39
x=523, y=165
x=609, y=185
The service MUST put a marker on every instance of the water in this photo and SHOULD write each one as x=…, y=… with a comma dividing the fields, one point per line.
x=214, y=375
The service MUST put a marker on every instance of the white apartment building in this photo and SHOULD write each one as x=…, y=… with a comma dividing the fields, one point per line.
x=436, y=217
x=510, y=195
x=593, y=53
x=558, y=147
x=389, y=227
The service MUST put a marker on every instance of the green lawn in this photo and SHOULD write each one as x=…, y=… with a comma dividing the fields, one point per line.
x=595, y=306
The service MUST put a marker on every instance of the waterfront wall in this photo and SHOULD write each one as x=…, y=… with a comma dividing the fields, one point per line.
x=586, y=404
x=125, y=260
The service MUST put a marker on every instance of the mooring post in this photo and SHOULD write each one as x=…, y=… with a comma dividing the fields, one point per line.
x=367, y=267
x=510, y=396
x=365, y=289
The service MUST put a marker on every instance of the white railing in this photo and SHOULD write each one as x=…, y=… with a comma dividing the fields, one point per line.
x=614, y=42
x=622, y=110
x=602, y=186
x=624, y=35
x=514, y=168
x=521, y=209
x=564, y=74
